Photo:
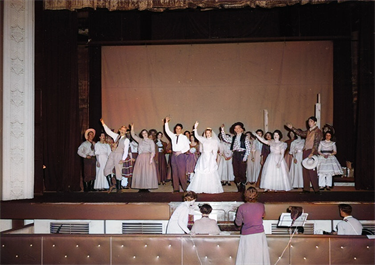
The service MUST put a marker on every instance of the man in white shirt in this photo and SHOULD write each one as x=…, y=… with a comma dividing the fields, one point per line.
x=180, y=145
x=87, y=151
x=349, y=225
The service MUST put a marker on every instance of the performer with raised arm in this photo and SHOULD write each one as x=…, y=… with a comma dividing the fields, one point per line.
x=144, y=173
x=117, y=157
x=206, y=178
x=240, y=146
x=275, y=174
x=180, y=145
x=313, y=137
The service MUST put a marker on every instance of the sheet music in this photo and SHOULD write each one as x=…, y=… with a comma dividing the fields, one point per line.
x=286, y=220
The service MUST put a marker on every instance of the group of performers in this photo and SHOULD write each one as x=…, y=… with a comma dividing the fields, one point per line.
x=204, y=164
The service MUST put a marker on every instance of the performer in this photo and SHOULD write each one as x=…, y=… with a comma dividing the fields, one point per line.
x=275, y=175
x=295, y=172
x=328, y=165
x=178, y=223
x=349, y=225
x=128, y=166
x=206, y=178
x=288, y=157
x=102, y=152
x=205, y=225
x=117, y=157
x=87, y=151
x=313, y=137
x=180, y=145
x=253, y=247
x=144, y=174
x=240, y=146
x=254, y=163
x=162, y=161
x=225, y=167
x=192, y=156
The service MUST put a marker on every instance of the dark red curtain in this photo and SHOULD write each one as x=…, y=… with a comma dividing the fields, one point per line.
x=365, y=161
x=57, y=86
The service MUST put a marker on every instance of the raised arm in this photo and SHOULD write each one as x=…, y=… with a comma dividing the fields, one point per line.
x=261, y=139
x=225, y=138
x=135, y=137
x=109, y=131
x=167, y=130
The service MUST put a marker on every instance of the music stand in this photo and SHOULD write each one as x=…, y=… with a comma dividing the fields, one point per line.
x=286, y=220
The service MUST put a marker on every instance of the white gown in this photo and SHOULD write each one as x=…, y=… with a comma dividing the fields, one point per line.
x=206, y=178
x=254, y=167
x=295, y=173
x=225, y=167
x=273, y=177
x=102, y=152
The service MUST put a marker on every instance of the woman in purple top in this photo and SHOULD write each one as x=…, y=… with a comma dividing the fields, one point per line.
x=253, y=247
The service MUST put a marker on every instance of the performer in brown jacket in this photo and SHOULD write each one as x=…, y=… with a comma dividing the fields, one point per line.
x=313, y=137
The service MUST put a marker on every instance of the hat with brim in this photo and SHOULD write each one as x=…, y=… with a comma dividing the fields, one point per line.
x=231, y=129
x=87, y=133
x=310, y=163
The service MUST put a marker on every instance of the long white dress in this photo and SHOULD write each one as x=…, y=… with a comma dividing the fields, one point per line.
x=295, y=173
x=330, y=166
x=102, y=151
x=273, y=177
x=206, y=178
x=225, y=167
x=253, y=162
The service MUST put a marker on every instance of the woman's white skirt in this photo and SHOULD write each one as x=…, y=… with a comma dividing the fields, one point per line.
x=253, y=250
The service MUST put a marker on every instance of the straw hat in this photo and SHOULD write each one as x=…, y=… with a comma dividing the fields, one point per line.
x=87, y=132
x=310, y=163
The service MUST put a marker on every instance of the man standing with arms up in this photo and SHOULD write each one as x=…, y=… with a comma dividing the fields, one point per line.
x=313, y=137
x=240, y=146
x=180, y=145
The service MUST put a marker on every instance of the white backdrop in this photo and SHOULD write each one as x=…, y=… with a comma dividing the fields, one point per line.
x=217, y=83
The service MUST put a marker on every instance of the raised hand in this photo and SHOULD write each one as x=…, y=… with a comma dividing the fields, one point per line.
x=196, y=124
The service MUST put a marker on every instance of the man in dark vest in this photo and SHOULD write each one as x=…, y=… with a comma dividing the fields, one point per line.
x=240, y=146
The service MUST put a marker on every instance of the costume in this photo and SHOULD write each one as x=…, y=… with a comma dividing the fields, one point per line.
x=87, y=151
x=206, y=178
x=254, y=162
x=225, y=167
x=192, y=158
x=102, y=151
x=119, y=152
x=144, y=173
x=180, y=143
x=287, y=156
x=178, y=222
x=295, y=172
x=330, y=166
x=253, y=247
x=313, y=137
x=240, y=146
x=275, y=175
x=162, y=161
x=205, y=225
x=349, y=226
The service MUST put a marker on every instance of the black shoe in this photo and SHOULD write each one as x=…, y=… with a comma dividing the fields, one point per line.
x=228, y=183
x=305, y=191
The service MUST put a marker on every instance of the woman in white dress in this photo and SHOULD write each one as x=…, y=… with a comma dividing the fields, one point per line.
x=225, y=166
x=144, y=174
x=206, y=178
x=254, y=162
x=102, y=151
x=328, y=165
x=275, y=175
x=295, y=173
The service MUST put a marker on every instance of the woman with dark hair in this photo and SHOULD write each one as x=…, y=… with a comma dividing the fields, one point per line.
x=328, y=165
x=144, y=174
x=206, y=178
x=254, y=163
x=192, y=156
x=253, y=247
x=205, y=225
x=162, y=162
x=287, y=156
x=296, y=172
x=275, y=174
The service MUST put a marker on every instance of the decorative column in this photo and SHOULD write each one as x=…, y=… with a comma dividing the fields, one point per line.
x=18, y=100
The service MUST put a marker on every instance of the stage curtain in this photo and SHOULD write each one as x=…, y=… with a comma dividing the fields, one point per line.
x=158, y=5
x=56, y=60
x=365, y=159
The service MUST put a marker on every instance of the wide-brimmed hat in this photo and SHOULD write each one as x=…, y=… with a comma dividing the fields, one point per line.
x=310, y=163
x=231, y=129
x=87, y=132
